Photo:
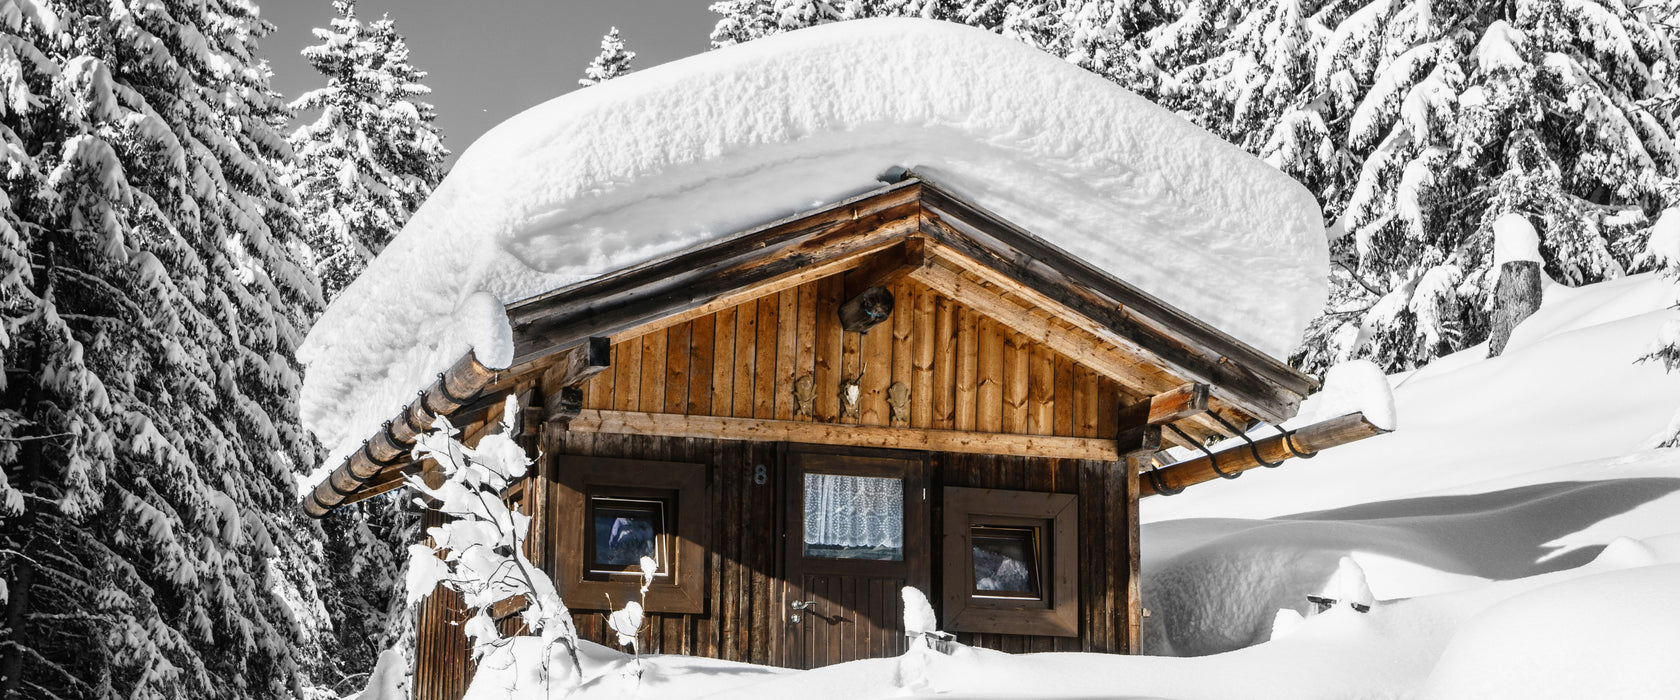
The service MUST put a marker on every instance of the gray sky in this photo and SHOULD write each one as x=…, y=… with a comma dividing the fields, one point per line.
x=491, y=59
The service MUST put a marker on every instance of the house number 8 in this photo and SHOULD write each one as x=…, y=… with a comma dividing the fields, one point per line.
x=760, y=475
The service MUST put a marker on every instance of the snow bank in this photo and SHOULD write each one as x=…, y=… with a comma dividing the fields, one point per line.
x=1569, y=389
x=1532, y=645
x=678, y=155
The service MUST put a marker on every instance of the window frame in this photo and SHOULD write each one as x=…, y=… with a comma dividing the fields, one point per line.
x=664, y=512
x=680, y=486
x=1055, y=516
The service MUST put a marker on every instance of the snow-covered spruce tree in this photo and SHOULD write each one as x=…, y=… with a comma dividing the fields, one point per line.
x=151, y=307
x=1461, y=113
x=613, y=61
x=373, y=154
x=1417, y=123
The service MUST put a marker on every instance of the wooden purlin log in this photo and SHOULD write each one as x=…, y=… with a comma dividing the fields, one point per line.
x=1140, y=423
x=388, y=447
x=1335, y=432
x=563, y=382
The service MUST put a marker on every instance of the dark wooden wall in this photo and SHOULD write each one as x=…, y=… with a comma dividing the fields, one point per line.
x=1104, y=549
x=740, y=560
x=744, y=596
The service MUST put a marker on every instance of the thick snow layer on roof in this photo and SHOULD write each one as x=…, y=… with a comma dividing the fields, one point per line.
x=675, y=156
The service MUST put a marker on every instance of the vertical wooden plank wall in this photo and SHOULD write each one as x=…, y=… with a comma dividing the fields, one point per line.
x=741, y=558
x=963, y=370
x=444, y=658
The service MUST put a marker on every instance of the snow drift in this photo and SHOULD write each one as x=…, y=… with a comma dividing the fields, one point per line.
x=682, y=154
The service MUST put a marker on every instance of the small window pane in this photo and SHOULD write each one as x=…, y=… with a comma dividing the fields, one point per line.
x=1006, y=561
x=854, y=517
x=625, y=530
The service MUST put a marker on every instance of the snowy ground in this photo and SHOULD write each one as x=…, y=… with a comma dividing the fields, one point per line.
x=1519, y=535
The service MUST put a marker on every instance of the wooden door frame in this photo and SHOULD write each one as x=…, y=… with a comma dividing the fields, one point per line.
x=918, y=508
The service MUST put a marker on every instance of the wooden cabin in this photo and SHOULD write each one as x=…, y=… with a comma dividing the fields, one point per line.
x=900, y=389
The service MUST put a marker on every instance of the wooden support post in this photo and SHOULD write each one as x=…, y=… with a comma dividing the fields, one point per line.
x=870, y=307
x=1313, y=438
x=1134, y=555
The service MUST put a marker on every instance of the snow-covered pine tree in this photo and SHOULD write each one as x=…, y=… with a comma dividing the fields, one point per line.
x=613, y=61
x=1417, y=123
x=373, y=154
x=1464, y=112
x=149, y=538
x=1662, y=252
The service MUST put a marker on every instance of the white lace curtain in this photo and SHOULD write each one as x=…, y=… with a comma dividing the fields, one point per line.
x=854, y=511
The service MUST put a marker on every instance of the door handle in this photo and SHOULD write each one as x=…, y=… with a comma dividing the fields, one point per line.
x=799, y=608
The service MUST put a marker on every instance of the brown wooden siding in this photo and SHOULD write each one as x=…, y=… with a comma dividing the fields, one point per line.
x=741, y=558
x=963, y=370
x=744, y=571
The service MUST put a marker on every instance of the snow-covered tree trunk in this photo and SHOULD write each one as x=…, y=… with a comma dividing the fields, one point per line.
x=1516, y=297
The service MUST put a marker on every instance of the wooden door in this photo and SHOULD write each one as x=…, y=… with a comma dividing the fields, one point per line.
x=846, y=558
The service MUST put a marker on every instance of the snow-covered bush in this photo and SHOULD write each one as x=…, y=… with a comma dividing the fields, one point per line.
x=479, y=552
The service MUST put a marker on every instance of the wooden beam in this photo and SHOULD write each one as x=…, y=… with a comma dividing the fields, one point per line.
x=964, y=441
x=562, y=382
x=1178, y=404
x=579, y=363
x=1110, y=308
x=887, y=266
x=1140, y=422
x=1239, y=458
x=864, y=311
x=388, y=448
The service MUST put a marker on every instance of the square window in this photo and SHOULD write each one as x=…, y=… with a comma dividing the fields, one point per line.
x=623, y=530
x=854, y=517
x=1006, y=562
x=609, y=513
x=1010, y=563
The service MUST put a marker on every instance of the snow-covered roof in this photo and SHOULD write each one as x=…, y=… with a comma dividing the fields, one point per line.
x=681, y=154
